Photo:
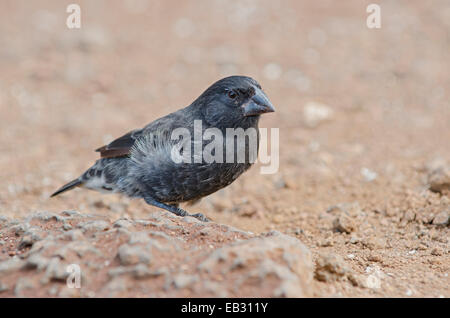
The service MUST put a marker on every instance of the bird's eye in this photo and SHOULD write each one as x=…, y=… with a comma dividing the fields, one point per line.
x=232, y=94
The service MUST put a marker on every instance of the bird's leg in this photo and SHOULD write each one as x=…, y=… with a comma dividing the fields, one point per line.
x=174, y=209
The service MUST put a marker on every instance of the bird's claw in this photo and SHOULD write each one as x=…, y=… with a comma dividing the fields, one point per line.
x=201, y=217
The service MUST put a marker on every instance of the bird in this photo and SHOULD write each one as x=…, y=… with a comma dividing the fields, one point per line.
x=140, y=164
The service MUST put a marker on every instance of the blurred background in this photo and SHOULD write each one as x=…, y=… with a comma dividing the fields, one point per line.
x=361, y=111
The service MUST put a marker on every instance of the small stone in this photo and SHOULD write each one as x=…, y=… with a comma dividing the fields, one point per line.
x=182, y=280
x=422, y=246
x=123, y=223
x=46, y=216
x=30, y=237
x=439, y=179
x=20, y=229
x=74, y=235
x=409, y=216
x=67, y=227
x=442, y=218
x=330, y=268
x=132, y=255
x=315, y=113
x=356, y=280
x=374, y=258
x=368, y=174
x=344, y=224
x=70, y=213
x=55, y=271
x=326, y=242
x=374, y=242
x=372, y=282
x=10, y=265
x=36, y=261
x=97, y=225
x=437, y=251
x=354, y=239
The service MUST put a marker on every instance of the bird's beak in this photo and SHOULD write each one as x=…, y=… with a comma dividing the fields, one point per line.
x=258, y=104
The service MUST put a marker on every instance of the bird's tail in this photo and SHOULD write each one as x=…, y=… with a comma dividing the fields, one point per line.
x=72, y=184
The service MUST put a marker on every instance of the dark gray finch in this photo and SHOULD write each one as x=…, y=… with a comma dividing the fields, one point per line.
x=140, y=163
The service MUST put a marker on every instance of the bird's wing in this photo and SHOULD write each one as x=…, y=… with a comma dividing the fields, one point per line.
x=163, y=126
x=121, y=146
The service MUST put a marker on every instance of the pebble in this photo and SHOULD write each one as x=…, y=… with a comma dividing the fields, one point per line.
x=10, y=265
x=344, y=224
x=330, y=267
x=97, y=225
x=74, y=235
x=55, y=271
x=122, y=223
x=67, y=227
x=182, y=280
x=374, y=242
x=46, y=216
x=437, y=251
x=132, y=255
x=439, y=179
x=374, y=258
x=20, y=229
x=442, y=218
x=36, y=261
x=315, y=113
x=368, y=174
x=31, y=236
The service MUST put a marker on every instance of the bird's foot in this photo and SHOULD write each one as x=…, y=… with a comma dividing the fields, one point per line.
x=200, y=216
x=175, y=209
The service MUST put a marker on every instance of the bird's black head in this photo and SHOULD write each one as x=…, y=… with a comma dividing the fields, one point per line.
x=234, y=101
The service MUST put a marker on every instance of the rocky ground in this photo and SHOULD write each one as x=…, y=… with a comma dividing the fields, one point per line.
x=160, y=256
x=360, y=205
